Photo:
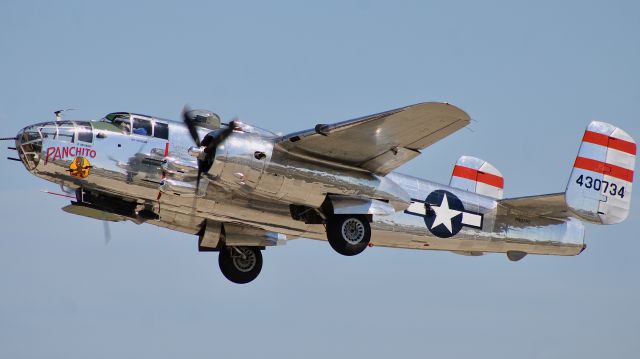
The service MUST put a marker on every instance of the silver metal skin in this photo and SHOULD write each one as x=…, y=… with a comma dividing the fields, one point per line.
x=252, y=184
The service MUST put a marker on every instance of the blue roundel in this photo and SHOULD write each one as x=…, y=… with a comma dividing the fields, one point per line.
x=443, y=213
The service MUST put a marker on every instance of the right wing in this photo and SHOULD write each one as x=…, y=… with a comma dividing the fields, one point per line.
x=378, y=143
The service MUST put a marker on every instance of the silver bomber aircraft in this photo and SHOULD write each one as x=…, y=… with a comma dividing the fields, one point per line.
x=241, y=189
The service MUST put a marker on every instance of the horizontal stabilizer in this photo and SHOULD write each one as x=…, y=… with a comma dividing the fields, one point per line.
x=546, y=205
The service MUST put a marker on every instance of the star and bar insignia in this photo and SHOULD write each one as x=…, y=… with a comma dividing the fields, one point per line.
x=444, y=214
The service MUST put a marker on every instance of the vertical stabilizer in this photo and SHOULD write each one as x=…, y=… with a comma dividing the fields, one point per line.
x=599, y=189
x=476, y=175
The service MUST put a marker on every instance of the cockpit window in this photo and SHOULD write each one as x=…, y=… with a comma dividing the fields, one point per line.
x=142, y=127
x=123, y=124
x=161, y=130
x=133, y=124
x=117, y=122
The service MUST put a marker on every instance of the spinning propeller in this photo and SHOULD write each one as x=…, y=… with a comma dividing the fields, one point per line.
x=205, y=150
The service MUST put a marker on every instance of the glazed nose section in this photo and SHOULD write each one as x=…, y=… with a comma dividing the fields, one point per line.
x=29, y=146
x=18, y=140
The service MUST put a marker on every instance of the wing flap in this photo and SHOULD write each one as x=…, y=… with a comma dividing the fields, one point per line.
x=381, y=142
x=389, y=160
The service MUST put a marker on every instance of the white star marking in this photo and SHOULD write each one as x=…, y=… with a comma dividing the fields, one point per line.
x=444, y=214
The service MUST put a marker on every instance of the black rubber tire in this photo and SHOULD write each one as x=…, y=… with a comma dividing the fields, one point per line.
x=230, y=267
x=337, y=239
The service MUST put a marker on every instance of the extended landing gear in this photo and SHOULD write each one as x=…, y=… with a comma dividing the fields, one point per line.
x=240, y=264
x=348, y=234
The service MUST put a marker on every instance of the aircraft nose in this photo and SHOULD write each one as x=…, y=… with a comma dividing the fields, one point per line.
x=29, y=145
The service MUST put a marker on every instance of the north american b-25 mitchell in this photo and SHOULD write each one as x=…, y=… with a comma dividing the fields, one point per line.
x=241, y=189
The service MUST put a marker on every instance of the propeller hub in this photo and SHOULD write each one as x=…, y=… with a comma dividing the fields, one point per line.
x=205, y=150
x=197, y=152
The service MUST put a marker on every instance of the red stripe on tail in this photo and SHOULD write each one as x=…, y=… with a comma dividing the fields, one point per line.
x=604, y=168
x=475, y=175
x=611, y=142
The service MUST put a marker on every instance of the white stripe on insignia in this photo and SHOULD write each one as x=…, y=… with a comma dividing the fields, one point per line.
x=472, y=219
x=417, y=208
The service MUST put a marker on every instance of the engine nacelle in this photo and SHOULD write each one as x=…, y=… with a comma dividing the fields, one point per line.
x=216, y=235
x=204, y=118
x=250, y=162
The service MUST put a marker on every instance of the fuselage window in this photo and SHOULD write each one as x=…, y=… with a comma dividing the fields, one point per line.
x=161, y=130
x=84, y=133
x=141, y=127
x=66, y=131
x=49, y=131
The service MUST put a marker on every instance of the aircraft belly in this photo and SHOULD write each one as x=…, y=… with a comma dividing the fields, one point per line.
x=225, y=207
x=553, y=237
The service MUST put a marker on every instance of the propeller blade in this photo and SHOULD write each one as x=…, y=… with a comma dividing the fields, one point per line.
x=211, y=142
x=199, y=175
x=190, y=125
x=107, y=232
x=217, y=138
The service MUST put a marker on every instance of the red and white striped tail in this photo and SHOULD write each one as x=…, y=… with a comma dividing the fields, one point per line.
x=476, y=175
x=599, y=189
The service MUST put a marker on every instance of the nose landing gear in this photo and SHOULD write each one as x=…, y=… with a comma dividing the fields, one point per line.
x=240, y=264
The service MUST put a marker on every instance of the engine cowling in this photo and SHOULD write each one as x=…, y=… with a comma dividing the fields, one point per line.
x=250, y=162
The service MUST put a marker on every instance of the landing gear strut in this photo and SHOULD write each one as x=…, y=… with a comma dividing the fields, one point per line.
x=348, y=234
x=240, y=264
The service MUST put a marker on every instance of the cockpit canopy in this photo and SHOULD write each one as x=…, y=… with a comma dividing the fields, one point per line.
x=131, y=123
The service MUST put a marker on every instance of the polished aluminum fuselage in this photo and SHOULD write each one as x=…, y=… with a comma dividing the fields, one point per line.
x=243, y=188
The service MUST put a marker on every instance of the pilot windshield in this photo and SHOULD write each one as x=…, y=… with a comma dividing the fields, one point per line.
x=123, y=124
x=119, y=122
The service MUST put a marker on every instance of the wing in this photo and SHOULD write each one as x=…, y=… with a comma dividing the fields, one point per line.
x=378, y=143
x=547, y=205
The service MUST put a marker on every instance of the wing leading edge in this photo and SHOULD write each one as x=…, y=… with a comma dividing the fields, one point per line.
x=381, y=142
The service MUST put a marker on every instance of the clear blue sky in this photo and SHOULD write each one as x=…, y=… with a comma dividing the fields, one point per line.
x=532, y=74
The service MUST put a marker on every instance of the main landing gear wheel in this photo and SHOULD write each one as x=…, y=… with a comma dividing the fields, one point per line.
x=348, y=234
x=240, y=264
